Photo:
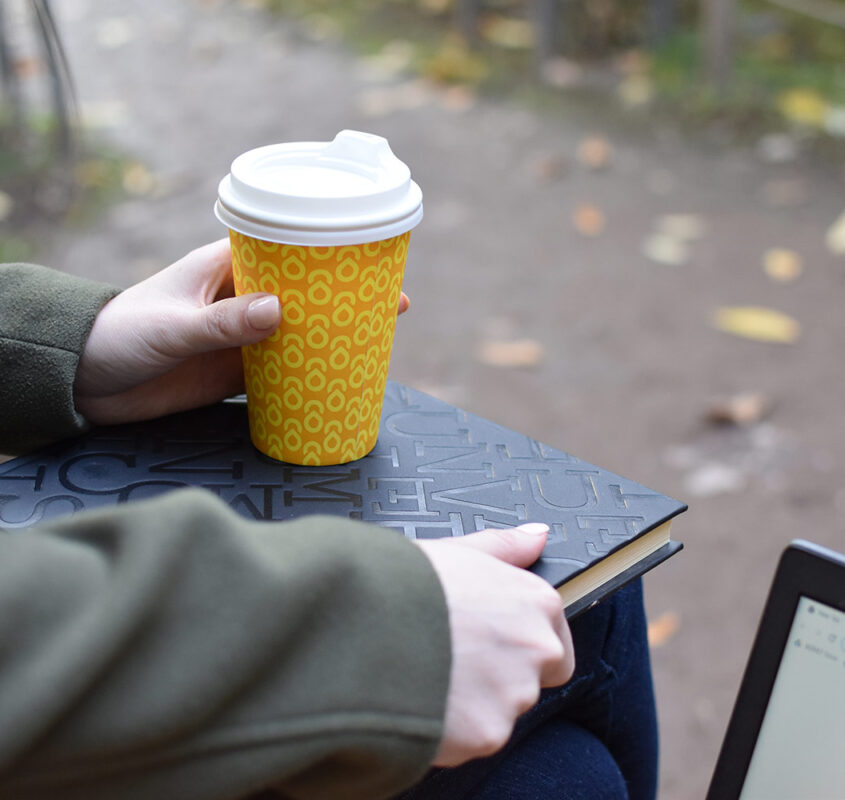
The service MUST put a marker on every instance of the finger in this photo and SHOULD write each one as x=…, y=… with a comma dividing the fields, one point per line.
x=199, y=381
x=518, y=546
x=205, y=270
x=232, y=322
x=404, y=303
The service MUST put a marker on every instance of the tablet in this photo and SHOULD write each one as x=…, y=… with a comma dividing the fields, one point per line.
x=786, y=736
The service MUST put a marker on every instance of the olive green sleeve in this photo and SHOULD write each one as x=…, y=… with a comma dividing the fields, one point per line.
x=172, y=649
x=45, y=319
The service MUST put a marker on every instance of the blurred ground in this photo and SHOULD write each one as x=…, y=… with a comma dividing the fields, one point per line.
x=538, y=250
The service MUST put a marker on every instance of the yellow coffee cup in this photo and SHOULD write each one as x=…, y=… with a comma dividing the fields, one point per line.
x=325, y=227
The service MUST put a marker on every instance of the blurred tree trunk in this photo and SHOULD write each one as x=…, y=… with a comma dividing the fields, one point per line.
x=544, y=13
x=11, y=95
x=718, y=20
x=661, y=20
x=467, y=18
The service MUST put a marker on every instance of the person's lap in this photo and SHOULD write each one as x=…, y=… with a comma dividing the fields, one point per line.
x=594, y=738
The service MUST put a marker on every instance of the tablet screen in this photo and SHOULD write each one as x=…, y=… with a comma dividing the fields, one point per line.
x=800, y=751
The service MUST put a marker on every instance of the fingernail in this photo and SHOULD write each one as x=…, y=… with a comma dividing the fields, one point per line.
x=535, y=528
x=263, y=313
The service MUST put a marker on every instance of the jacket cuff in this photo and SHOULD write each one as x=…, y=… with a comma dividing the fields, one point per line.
x=45, y=319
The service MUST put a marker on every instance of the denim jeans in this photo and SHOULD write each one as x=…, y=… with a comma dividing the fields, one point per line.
x=593, y=739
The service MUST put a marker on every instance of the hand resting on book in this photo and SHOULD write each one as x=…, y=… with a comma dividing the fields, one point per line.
x=509, y=636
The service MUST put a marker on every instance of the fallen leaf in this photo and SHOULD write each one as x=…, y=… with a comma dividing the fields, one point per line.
x=714, y=479
x=744, y=408
x=455, y=62
x=24, y=67
x=561, y=73
x=548, y=166
x=635, y=91
x=834, y=121
x=803, y=106
x=777, y=148
x=515, y=34
x=588, y=219
x=760, y=324
x=835, y=237
x=663, y=628
x=385, y=100
x=681, y=226
x=634, y=62
x=393, y=59
x=116, y=32
x=782, y=265
x=510, y=354
x=595, y=152
x=666, y=249
x=138, y=180
x=457, y=98
x=105, y=114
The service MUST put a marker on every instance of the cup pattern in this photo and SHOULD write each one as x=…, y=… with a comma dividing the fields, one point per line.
x=315, y=387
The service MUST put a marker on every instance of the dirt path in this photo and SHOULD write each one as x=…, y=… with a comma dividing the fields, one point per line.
x=623, y=361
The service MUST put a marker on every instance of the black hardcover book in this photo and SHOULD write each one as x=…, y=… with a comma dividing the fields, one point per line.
x=436, y=471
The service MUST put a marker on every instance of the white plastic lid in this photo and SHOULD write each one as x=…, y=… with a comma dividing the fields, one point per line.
x=351, y=190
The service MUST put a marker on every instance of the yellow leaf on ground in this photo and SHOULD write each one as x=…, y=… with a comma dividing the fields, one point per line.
x=588, y=219
x=682, y=226
x=138, y=180
x=595, y=152
x=663, y=628
x=515, y=34
x=760, y=324
x=515, y=353
x=835, y=237
x=666, y=249
x=635, y=91
x=454, y=62
x=782, y=265
x=804, y=106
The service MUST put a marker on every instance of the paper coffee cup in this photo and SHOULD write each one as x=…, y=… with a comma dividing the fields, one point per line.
x=325, y=226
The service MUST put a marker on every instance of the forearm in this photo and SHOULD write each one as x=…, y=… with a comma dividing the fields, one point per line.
x=45, y=319
x=173, y=649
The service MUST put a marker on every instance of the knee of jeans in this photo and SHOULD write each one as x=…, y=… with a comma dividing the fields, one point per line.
x=626, y=642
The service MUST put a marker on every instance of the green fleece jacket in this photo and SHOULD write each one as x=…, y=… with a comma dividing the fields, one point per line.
x=171, y=649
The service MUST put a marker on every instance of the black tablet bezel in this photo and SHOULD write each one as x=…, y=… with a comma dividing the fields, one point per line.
x=805, y=570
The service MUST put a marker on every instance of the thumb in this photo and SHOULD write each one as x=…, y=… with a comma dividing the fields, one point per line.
x=234, y=321
x=520, y=546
